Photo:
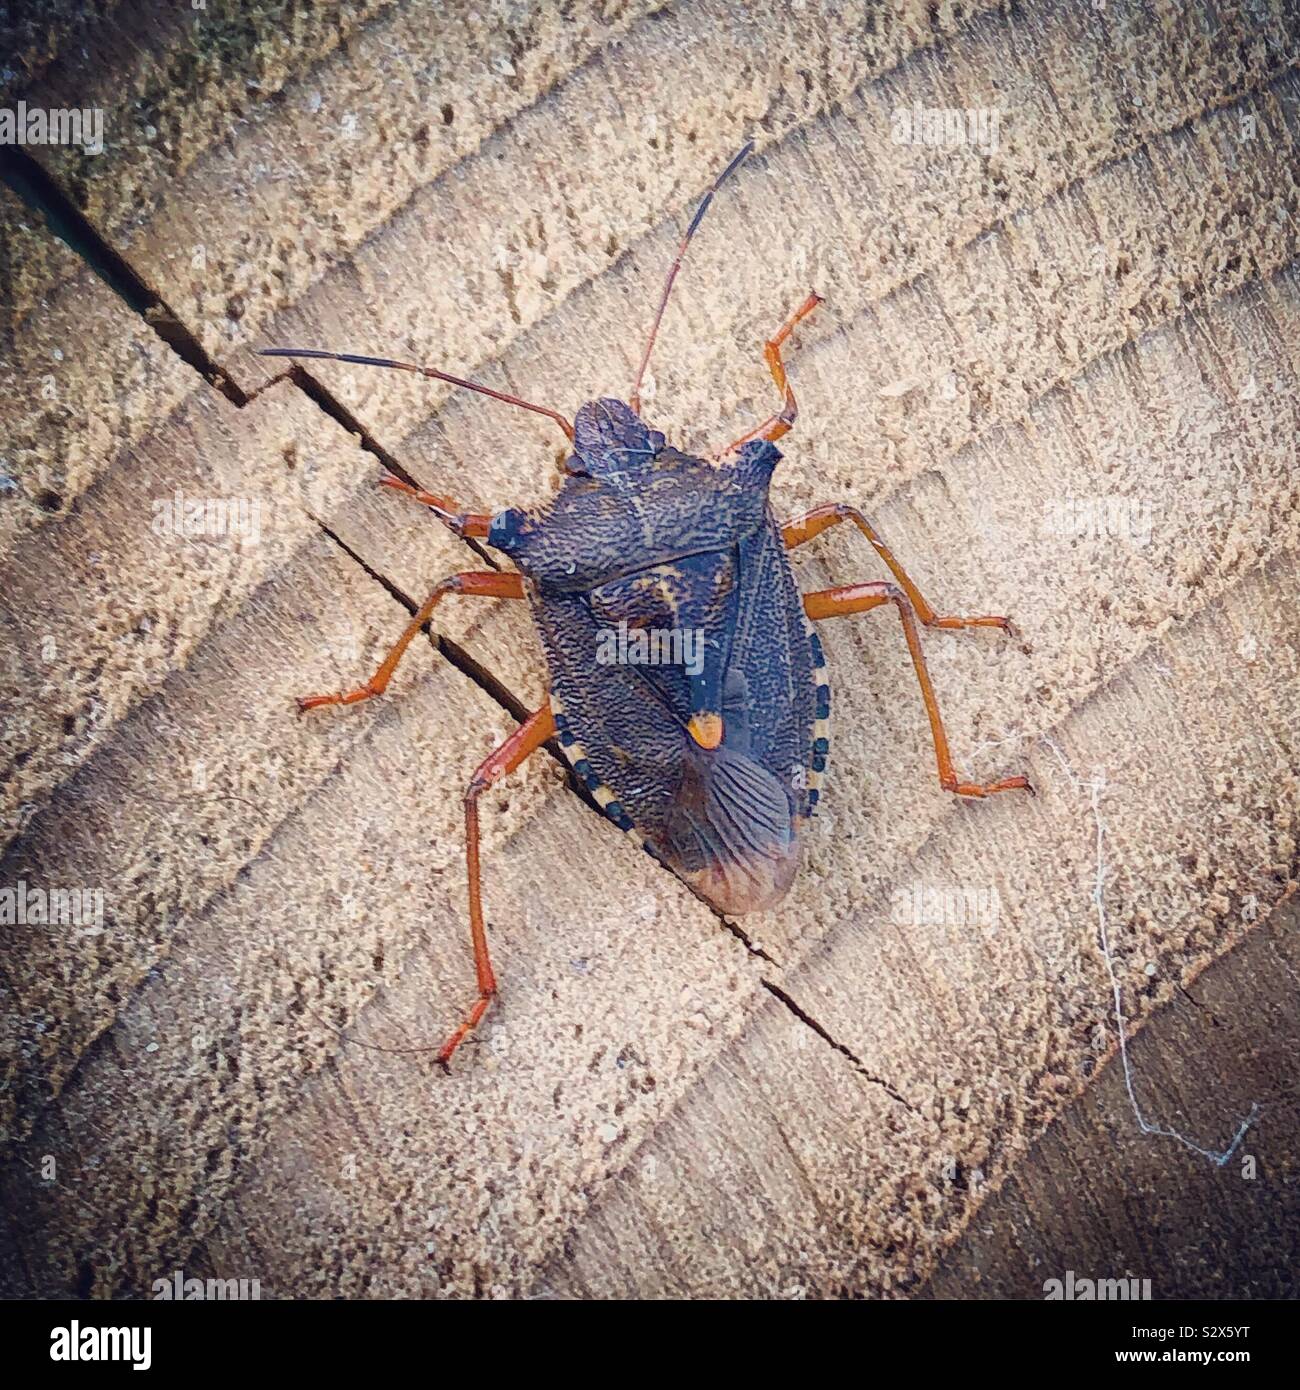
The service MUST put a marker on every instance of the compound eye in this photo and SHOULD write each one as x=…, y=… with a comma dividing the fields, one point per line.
x=506, y=528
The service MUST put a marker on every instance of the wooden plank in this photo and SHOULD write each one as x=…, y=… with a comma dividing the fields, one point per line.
x=207, y=768
x=346, y=149
x=170, y=84
x=1203, y=1054
x=896, y=211
x=81, y=380
x=985, y=1031
x=1103, y=310
x=101, y=607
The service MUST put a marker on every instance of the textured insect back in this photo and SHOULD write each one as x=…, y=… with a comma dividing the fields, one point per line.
x=506, y=532
x=755, y=464
x=604, y=795
x=629, y=504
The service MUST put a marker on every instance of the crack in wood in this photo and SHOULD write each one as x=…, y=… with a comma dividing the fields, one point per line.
x=822, y=1032
x=29, y=181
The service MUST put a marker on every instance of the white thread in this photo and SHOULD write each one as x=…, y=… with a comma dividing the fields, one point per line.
x=1095, y=786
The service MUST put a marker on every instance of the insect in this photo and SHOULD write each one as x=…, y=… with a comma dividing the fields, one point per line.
x=713, y=761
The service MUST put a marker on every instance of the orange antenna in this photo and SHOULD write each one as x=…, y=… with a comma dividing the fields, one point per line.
x=423, y=371
x=745, y=150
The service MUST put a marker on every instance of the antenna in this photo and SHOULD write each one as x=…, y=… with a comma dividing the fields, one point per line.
x=745, y=151
x=423, y=371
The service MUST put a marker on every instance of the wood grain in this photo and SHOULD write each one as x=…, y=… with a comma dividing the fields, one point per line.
x=837, y=1098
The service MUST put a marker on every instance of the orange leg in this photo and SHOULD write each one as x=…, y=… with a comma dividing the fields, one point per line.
x=861, y=598
x=491, y=584
x=802, y=529
x=783, y=421
x=526, y=739
x=462, y=523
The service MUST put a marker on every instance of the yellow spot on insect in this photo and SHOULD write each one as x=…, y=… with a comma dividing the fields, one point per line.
x=706, y=729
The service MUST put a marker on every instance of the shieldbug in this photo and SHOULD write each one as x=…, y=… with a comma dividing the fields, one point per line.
x=712, y=761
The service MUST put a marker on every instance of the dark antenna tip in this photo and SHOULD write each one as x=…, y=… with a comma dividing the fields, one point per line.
x=736, y=161
x=358, y=360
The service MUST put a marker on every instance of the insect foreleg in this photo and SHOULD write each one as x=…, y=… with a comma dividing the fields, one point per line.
x=526, y=739
x=490, y=584
x=463, y=523
x=861, y=598
x=783, y=421
x=801, y=529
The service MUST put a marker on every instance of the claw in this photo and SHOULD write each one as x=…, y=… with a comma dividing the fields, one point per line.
x=979, y=790
x=959, y=624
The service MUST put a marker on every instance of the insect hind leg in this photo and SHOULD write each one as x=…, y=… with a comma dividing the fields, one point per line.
x=861, y=598
x=526, y=740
